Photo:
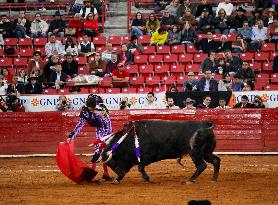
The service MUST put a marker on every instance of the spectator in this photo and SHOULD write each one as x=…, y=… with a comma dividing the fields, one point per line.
x=206, y=103
x=125, y=55
x=86, y=47
x=33, y=87
x=263, y=4
x=225, y=84
x=120, y=76
x=206, y=22
x=152, y=24
x=244, y=103
x=222, y=23
x=107, y=54
x=187, y=17
x=63, y=104
x=76, y=7
x=161, y=5
x=21, y=26
x=188, y=34
x=5, y=26
x=247, y=74
x=16, y=106
x=275, y=65
x=238, y=19
x=70, y=47
x=246, y=87
x=88, y=8
x=39, y=27
x=3, y=105
x=190, y=84
x=273, y=31
x=151, y=104
x=91, y=25
x=258, y=102
x=222, y=104
x=257, y=14
x=22, y=76
x=233, y=63
x=57, y=26
x=134, y=47
x=189, y=104
x=70, y=66
x=97, y=66
x=35, y=62
x=58, y=78
x=209, y=63
x=221, y=67
x=168, y=20
x=259, y=36
x=159, y=37
x=174, y=36
x=238, y=84
x=226, y=6
x=185, y=6
x=124, y=104
x=271, y=14
x=36, y=72
x=207, y=83
x=111, y=66
x=138, y=25
x=7, y=75
x=173, y=89
x=202, y=6
x=16, y=87
x=3, y=85
x=246, y=32
x=207, y=44
x=54, y=46
x=171, y=103
x=239, y=45
x=75, y=26
x=223, y=44
x=50, y=67
x=173, y=7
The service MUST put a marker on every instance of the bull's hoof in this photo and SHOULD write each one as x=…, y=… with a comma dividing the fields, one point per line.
x=115, y=182
x=189, y=182
x=107, y=178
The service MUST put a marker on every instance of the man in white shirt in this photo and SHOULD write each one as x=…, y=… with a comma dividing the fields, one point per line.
x=86, y=47
x=259, y=35
x=171, y=104
x=151, y=104
x=222, y=104
x=88, y=8
x=107, y=54
x=227, y=6
x=54, y=46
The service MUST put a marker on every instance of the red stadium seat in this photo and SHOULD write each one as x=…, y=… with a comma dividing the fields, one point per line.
x=141, y=59
x=116, y=49
x=115, y=40
x=262, y=79
x=178, y=49
x=137, y=81
x=6, y=62
x=144, y=90
x=40, y=42
x=94, y=90
x=152, y=81
x=20, y=62
x=168, y=80
x=161, y=70
x=271, y=87
x=261, y=56
x=193, y=68
x=113, y=90
x=132, y=69
x=99, y=41
x=83, y=70
x=160, y=89
x=274, y=78
x=125, y=39
x=26, y=52
x=101, y=49
x=177, y=69
x=81, y=60
x=129, y=90
x=202, y=36
x=50, y=91
x=145, y=39
x=64, y=91
x=25, y=42
x=249, y=56
x=186, y=58
x=191, y=49
x=231, y=37
x=181, y=79
x=162, y=49
x=267, y=66
x=146, y=70
x=199, y=57
x=256, y=66
x=156, y=58
x=79, y=39
x=170, y=58
x=106, y=82
x=268, y=47
x=10, y=41
x=148, y=49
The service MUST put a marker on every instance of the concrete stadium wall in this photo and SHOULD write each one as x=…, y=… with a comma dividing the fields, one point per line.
x=39, y=133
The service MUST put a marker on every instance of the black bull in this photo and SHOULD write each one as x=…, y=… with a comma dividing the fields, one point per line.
x=163, y=139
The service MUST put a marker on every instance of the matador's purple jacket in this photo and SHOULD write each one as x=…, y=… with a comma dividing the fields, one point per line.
x=95, y=119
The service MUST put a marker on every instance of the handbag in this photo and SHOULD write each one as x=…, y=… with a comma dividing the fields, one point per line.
x=9, y=50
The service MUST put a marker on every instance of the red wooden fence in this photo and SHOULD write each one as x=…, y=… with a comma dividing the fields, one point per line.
x=39, y=133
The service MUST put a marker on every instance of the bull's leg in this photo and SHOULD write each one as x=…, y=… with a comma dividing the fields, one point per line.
x=121, y=172
x=198, y=159
x=141, y=169
x=215, y=161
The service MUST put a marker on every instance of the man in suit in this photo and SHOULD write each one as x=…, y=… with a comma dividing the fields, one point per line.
x=58, y=78
x=244, y=103
x=207, y=44
x=33, y=87
x=207, y=83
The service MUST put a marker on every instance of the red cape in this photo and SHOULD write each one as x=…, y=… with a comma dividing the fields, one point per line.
x=71, y=166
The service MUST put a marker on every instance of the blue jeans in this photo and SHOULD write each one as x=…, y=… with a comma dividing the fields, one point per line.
x=136, y=31
x=20, y=31
x=38, y=35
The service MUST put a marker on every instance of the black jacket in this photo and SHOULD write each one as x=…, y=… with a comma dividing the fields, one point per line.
x=53, y=78
x=27, y=26
x=57, y=24
x=37, y=89
x=70, y=69
x=6, y=29
x=239, y=105
x=207, y=46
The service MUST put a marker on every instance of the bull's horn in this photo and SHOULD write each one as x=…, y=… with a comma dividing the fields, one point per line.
x=110, y=155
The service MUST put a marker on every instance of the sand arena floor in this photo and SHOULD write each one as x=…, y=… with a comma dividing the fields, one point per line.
x=243, y=180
